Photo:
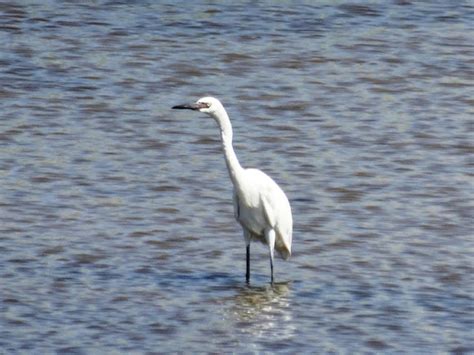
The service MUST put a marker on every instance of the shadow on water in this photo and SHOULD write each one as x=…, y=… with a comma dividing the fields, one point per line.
x=225, y=281
x=199, y=279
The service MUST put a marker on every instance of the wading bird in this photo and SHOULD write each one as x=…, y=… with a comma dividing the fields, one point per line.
x=260, y=205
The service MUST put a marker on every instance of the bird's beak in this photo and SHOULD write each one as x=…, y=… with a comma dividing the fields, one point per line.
x=196, y=106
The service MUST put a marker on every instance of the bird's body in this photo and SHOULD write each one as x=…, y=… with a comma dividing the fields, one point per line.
x=260, y=205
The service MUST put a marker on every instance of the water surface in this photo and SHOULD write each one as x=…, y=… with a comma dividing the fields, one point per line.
x=116, y=223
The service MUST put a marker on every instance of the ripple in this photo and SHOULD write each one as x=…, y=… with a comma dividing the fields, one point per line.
x=116, y=215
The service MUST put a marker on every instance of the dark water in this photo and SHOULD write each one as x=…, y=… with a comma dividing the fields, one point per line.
x=116, y=222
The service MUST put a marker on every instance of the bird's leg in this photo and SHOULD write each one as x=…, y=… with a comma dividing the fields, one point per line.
x=270, y=237
x=247, y=238
x=247, y=273
x=271, y=267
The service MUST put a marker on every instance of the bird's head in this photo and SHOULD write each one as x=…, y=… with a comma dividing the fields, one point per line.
x=209, y=105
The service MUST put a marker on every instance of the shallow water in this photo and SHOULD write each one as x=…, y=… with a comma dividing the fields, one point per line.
x=117, y=230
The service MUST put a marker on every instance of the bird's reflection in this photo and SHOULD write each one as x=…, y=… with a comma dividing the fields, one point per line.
x=251, y=300
x=263, y=309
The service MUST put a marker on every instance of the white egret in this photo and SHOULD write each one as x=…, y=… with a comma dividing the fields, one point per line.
x=260, y=205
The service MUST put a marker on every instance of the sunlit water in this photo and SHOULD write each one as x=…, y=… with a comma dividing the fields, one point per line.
x=116, y=223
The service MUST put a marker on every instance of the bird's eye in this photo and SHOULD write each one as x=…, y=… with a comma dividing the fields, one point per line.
x=204, y=105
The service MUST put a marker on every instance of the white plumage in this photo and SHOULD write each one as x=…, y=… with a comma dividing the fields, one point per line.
x=260, y=205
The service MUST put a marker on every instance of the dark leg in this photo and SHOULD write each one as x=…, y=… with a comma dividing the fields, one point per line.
x=247, y=274
x=271, y=268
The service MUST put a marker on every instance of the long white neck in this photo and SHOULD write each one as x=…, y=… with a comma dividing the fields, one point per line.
x=233, y=165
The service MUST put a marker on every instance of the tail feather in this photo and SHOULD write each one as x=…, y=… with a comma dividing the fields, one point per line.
x=283, y=248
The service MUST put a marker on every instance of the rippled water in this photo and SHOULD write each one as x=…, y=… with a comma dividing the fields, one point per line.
x=116, y=223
